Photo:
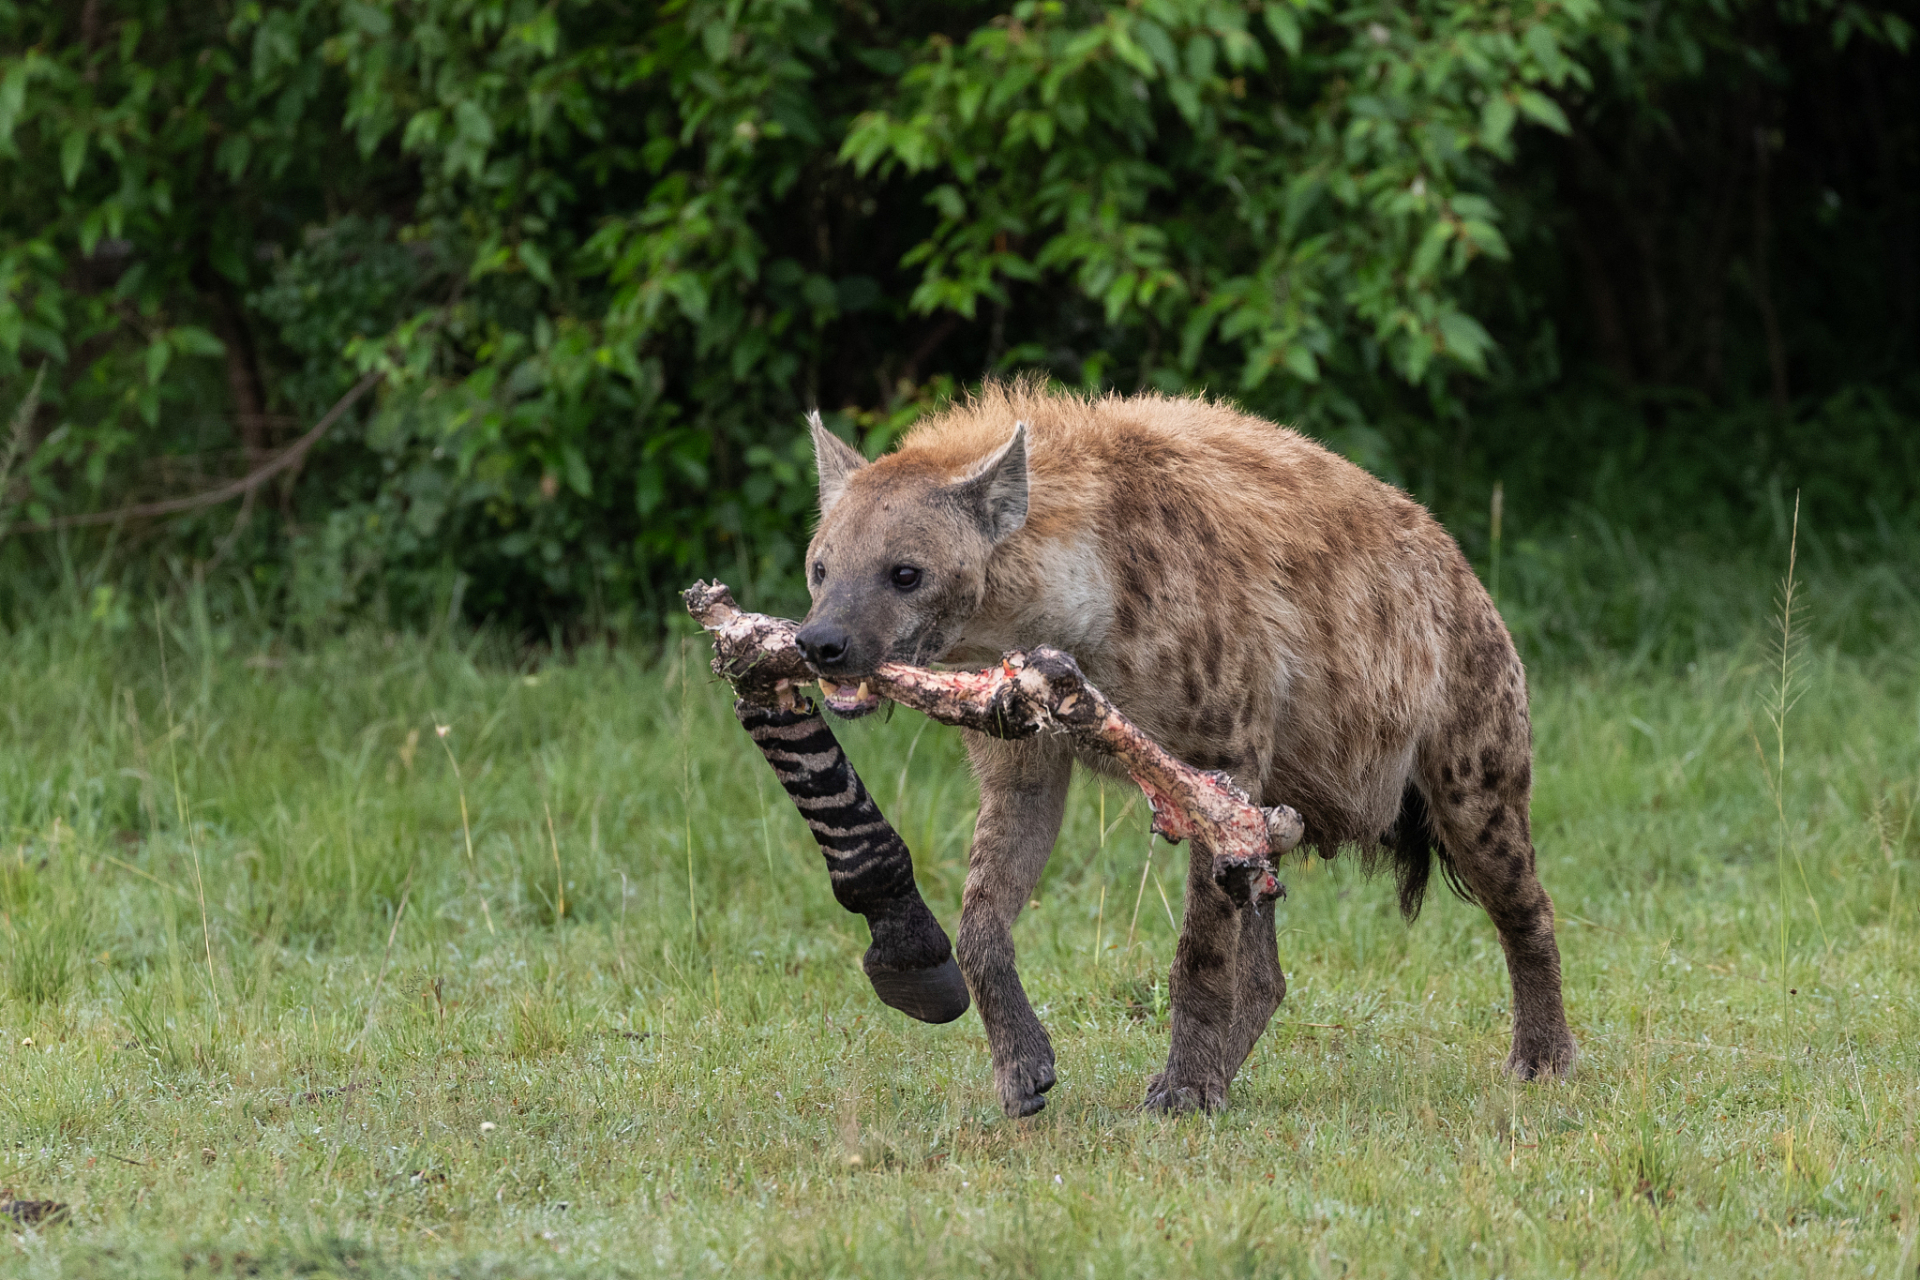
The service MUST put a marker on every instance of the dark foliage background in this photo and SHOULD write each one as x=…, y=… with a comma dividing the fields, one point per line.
x=1649, y=265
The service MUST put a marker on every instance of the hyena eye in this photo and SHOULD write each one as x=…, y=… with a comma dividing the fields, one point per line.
x=905, y=577
x=819, y=572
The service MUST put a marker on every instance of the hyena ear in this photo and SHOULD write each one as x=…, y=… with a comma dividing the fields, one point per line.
x=997, y=490
x=836, y=459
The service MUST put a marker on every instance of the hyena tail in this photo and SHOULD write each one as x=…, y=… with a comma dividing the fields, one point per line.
x=1415, y=848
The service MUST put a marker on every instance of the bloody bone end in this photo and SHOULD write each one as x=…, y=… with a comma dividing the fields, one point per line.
x=752, y=652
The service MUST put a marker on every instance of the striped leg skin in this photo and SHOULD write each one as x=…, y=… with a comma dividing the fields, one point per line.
x=911, y=962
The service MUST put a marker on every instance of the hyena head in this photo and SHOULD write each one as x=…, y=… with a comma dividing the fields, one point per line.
x=898, y=565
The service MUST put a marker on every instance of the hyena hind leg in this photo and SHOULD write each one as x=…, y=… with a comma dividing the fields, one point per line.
x=1201, y=984
x=1478, y=788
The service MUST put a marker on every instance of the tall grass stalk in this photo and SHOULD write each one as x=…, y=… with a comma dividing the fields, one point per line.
x=181, y=808
x=1782, y=696
x=1146, y=865
x=559, y=876
x=466, y=827
x=1100, y=922
x=686, y=792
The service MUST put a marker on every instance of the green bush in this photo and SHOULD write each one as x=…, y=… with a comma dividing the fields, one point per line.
x=606, y=255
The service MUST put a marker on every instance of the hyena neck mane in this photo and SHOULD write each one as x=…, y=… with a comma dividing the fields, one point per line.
x=1111, y=483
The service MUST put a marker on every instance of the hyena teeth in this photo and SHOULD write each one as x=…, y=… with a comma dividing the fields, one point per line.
x=861, y=696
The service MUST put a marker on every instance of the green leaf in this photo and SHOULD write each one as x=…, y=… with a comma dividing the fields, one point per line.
x=1186, y=99
x=159, y=352
x=1467, y=340
x=1496, y=121
x=1538, y=106
x=1301, y=363
x=534, y=258
x=192, y=340
x=1200, y=55
x=1545, y=49
x=1154, y=38
x=232, y=156
x=73, y=154
x=1485, y=237
x=1285, y=27
x=1432, y=245
x=579, y=478
x=13, y=96
x=369, y=18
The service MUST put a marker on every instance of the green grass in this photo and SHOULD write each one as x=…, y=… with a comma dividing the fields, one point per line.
x=684, y=1072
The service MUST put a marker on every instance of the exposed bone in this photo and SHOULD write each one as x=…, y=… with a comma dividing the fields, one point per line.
x=1038, y=691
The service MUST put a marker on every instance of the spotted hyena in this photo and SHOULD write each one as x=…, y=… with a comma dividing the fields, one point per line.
x=1257, y=605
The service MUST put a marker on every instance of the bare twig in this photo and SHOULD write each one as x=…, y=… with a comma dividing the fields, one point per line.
x=245, y=485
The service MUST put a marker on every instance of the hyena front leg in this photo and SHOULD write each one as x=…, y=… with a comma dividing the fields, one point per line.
x=1205, y=967
x=1023, y=793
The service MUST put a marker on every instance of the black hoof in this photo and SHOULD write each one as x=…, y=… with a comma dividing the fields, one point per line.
x=933, y=995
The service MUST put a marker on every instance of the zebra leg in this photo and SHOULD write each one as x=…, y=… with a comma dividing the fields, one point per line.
x=910, y=963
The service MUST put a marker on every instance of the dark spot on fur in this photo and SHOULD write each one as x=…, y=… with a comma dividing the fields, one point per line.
x=1134, y=582
x=1495, y=821
x=1381, y=619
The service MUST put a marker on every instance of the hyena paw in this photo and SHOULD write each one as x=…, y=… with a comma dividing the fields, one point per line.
x=1544, y=1056
x=1021, y=1083
x=1181, y=1097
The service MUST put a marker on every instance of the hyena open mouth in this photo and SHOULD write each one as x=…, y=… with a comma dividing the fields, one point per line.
x=848, y=700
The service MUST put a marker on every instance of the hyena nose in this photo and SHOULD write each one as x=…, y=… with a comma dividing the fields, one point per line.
x=824, y=644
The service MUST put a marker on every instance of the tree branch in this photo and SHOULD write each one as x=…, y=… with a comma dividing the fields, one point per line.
x=245, y=485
